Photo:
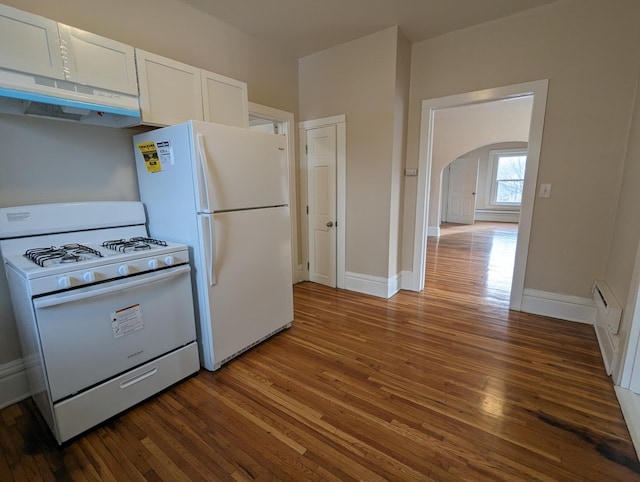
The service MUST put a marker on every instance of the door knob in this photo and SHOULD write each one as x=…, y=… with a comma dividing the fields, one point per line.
x=330, y=224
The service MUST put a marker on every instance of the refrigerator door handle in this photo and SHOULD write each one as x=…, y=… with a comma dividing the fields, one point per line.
x=212, y=269
x=209, y=247
x=204, y=175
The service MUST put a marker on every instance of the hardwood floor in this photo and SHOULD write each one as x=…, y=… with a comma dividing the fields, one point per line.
x=447, y=384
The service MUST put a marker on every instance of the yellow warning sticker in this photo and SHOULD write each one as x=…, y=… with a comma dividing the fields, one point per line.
x=149, y=152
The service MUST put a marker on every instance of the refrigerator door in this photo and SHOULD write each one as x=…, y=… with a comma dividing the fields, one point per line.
x=247, y=275
x=238, y=168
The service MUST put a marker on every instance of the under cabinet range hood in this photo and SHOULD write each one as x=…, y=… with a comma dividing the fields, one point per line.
x=34, y=95
x=49, y=69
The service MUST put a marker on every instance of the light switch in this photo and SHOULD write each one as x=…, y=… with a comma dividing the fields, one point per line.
x=410, y=172
x=545, y=190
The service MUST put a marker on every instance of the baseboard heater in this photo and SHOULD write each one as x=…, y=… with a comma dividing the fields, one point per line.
x=607, y=324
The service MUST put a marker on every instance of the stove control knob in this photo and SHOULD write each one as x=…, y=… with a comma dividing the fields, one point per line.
x=123, y=270
x=89, y=277
x=153, y=264
x=169, y=260
x=64, y=282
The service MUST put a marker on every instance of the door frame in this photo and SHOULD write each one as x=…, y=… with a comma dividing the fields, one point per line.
x=538, y=89
x=339, y=121
x=286, y=121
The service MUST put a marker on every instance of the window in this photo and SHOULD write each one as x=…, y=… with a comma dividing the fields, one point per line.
x=507, y=179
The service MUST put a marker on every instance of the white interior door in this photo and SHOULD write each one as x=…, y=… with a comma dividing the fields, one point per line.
x=463, y=178
x=321, y=169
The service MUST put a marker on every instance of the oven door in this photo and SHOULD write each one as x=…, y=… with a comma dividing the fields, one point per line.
x=94, y=333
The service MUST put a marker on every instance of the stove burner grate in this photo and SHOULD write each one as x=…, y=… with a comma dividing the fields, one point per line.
x=69, y=253
x=139, y=243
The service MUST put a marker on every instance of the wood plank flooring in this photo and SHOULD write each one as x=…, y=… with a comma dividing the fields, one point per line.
x=442, y=385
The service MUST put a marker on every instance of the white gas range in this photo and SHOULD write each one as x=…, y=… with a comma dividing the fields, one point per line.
x=104, y=313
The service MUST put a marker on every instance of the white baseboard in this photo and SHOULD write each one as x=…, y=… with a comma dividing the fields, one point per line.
x=302, y=274
x=630, y=405
x=564, y=307
x=433, y=231
x=406, y=280
x=13, y=383
x=372, y=285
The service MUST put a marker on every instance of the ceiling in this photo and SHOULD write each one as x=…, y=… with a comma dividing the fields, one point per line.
x=302, y=27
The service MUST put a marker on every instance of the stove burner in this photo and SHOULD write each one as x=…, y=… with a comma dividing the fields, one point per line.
x=70, y=258
x=133, y=244
x=69, y=253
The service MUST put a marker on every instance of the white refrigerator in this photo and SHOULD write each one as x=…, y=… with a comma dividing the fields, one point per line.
x=223, y=191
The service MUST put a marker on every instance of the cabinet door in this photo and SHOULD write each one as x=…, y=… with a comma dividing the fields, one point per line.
x=90, y=59
x=29, y=43
x=225, y=100
x=170, y=91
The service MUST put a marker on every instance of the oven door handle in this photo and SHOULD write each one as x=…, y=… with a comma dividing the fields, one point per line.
x=70, y=297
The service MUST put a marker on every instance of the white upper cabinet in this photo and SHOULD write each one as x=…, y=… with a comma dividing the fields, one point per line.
x=90, y=59
x=36, y=45
x=29, y=43
x=225, y=100
x=170, y=91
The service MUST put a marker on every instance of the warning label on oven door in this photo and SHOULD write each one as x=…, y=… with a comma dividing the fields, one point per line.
x=126, y=321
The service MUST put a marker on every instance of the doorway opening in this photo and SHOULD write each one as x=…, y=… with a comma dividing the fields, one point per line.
x=428, y=154
x=480, y=203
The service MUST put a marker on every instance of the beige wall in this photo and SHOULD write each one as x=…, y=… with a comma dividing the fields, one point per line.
x=358, y=79
x=588, y=51
x=626, y=233
x=401, y=112
x=51, y=161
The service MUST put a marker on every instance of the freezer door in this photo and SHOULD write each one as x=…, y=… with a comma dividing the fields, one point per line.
x=165, y=168
x=238, y=168
x=250, y=290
